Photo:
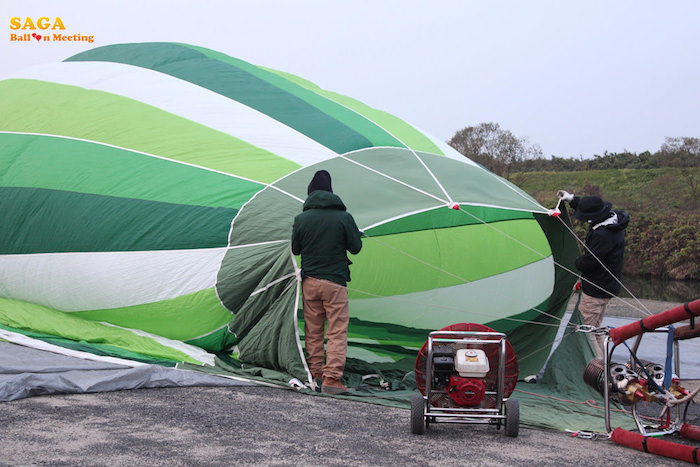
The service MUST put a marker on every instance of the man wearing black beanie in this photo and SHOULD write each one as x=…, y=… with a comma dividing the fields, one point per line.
x=322, y=235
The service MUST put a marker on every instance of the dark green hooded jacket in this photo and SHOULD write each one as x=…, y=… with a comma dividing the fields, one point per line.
x=322, y=234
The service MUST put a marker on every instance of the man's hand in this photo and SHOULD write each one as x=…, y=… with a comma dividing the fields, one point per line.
x=565, y=195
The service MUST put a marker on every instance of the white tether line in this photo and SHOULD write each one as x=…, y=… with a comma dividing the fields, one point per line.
x=395, y=179
x=447, y=195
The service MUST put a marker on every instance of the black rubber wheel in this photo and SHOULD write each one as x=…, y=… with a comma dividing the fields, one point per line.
x=512, y=425
x=417, y=414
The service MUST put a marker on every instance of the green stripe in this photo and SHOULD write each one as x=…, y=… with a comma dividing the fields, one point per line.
x=327, y=102
x=218, y=341
x=408, y=135
x=81, y=166
x=50, y=221
x=96, y=348
x=28, y=316
x=453, y=256
x=380, y=128
x=386, y=334
x=233, y=80
x=441, y=218
x=133, y=125
x=528, y=339
x=190, y=316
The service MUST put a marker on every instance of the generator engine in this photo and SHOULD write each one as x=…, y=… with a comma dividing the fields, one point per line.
x=464, y=375
x=461, y=373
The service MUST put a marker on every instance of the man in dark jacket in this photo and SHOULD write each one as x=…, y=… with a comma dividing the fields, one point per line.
x=322, y=234
x=602, y=259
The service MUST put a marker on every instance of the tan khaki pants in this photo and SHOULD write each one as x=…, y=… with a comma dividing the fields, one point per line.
x=325, y=301
x=592, y=311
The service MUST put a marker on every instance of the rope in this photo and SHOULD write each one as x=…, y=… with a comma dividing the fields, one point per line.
x=375, y=239
x=569, y=334
x=643, y=309
x=451, y=203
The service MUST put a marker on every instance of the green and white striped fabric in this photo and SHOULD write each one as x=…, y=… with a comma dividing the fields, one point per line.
x=147, y=193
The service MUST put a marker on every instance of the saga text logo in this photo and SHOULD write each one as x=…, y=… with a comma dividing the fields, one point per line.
x=41, y=24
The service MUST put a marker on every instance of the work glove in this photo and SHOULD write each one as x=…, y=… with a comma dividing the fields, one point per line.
x=565, y=195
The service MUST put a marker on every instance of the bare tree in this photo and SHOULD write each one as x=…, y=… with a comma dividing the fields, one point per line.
x=494, y=148
x=680, y=151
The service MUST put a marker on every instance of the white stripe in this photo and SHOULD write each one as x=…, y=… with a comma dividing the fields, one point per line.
x=448, y=150
x=481, y=301
x=187, y=100
x=196, y=353
x=95, y=281
x=270, y=284
x=21, y=339
x=293, y=317
x=271, y=242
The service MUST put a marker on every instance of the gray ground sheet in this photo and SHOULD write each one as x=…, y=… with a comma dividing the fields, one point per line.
x=26, y=372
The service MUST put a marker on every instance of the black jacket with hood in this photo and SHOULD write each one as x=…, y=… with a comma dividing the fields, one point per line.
x=605, y=241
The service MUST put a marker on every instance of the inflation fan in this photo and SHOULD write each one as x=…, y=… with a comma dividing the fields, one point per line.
x=466, y=373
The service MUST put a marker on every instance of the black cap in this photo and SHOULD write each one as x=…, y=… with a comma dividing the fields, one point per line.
x=321, y=181
x=592, y=208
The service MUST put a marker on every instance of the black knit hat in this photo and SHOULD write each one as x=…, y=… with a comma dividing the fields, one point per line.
x=592, y=208
x=321, y=181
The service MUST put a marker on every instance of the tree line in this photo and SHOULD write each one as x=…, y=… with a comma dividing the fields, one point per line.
x=660, y=191
x=503, y=153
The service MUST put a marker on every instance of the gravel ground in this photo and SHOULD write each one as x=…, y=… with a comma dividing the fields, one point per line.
x=252, y=425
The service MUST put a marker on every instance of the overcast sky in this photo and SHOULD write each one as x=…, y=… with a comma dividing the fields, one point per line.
x=577, y=78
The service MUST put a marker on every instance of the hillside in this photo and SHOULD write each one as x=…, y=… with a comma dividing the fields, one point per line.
x=664, y=205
